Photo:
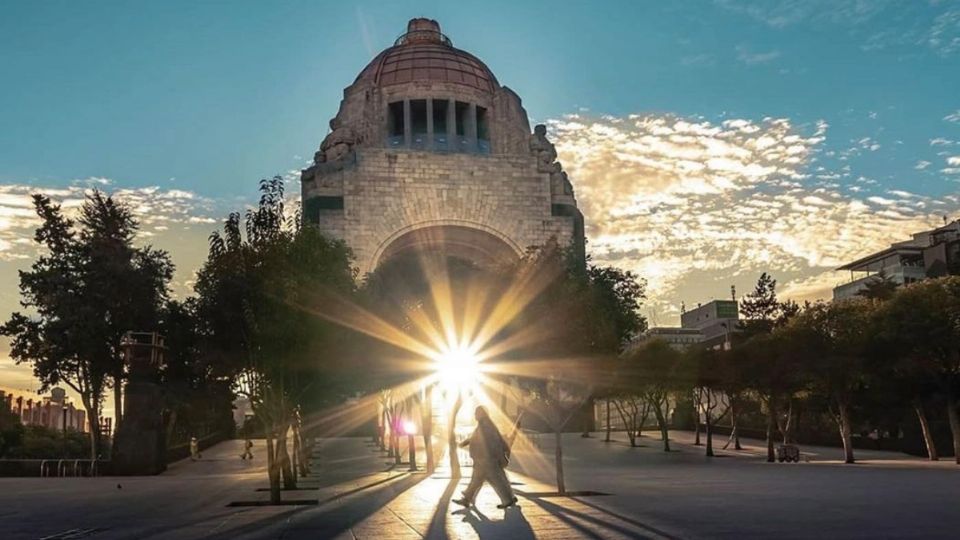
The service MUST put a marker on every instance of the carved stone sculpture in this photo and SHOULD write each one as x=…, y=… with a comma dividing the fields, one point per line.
x=546, y=153
x=336, y=145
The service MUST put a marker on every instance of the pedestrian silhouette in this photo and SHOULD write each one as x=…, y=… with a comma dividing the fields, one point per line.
x=490, y=454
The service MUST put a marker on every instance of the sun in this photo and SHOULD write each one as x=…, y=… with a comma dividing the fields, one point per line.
x=457, y=367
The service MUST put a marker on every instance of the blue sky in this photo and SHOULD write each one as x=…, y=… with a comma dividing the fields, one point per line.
x=217, y=94
x=708, y=140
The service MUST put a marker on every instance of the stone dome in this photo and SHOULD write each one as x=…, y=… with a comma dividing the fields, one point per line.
x=423, y=53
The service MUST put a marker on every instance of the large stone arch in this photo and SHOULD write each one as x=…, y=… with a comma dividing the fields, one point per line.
x=474, y=242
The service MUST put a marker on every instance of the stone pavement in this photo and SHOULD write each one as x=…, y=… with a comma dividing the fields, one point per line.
x=360, y=494
x=359, y=499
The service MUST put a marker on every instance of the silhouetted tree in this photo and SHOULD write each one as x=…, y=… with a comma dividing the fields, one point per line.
x=261, y=314
x=923, y=319
x=90, y=287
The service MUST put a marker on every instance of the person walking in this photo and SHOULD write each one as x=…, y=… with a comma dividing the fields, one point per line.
x=490, y=454
x=247, y=446
x=194, y=449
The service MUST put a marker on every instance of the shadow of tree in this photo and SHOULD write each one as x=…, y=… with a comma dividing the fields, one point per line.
x=333, y=516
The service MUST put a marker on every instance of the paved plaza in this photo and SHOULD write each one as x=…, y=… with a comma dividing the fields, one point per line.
x=646, y=494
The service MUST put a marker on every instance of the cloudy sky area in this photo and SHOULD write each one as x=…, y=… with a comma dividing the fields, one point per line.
x=707, y=141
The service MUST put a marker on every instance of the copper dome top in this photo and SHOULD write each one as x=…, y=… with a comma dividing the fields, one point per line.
x=425, y=54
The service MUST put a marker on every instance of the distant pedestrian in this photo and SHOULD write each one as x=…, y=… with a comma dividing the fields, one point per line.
x=247, y=446
x=490, y=454
x=194, y=449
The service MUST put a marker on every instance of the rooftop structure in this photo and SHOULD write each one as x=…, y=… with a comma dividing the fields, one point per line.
x=709, y=325
x=931, y=253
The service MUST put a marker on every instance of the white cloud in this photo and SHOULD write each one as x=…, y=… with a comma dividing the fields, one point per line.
x=693, y=205
x=156, y=209
x=752, y=58
x=877, y=24
x=921, y=165
x=953, y=117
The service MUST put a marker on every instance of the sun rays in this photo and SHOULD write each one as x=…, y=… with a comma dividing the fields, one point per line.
x=458, y=342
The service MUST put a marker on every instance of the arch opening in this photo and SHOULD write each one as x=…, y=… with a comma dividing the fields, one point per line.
x=463, y=243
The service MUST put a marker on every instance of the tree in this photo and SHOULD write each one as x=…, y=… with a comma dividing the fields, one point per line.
x=261, y=298
x=651, y=371
x=196, y=386
x=89, y=288
x=762, y=312
x=732, y=381
x=879, y=287
x=835, y=340
x=923, y=319
x=11, y=430
x=699, y=369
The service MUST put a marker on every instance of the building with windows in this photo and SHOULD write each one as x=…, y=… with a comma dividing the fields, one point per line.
x=709, y=324
x=715, y=320
x=55, y=411
x=429, y=151
x=932, y=253
x=678, y=338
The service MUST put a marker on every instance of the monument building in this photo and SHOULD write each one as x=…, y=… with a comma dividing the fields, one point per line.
x=429, y=151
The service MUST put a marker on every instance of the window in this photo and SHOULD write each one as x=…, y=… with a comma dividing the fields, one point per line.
x=463, y=114
x=482, y=124
x=470, y=131
x=395, y=125
x=440, y=109
x=418, y=122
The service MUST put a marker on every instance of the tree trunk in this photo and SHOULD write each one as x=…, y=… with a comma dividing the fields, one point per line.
x=558, y=457
x=93, y=413
x=273, y=471
x=395, y=430
x=383, y=430
x=954, y=416
x=736, y=430
x=697, y=401
x=845, y=432
x=771, y=421
x=645, y=412
x=305, y=449
x=607, y=438
x=452, y=439
x=787, y=430
x=925, y=428
x=283, y=456
x=708, y=421
x=426, y=419
x=662, y=422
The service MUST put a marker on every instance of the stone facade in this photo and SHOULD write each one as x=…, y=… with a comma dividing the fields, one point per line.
x=427, y=143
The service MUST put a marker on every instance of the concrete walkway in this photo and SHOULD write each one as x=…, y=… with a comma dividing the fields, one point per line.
x=356, y=492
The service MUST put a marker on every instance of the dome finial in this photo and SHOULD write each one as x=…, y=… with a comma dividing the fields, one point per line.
x=423, y=30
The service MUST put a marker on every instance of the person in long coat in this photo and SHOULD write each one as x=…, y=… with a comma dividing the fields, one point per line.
x=490, y=454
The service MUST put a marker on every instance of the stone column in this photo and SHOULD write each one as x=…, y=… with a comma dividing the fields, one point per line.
x=430, y=123
x=452, y=142
x=407, y=126
x=471, y=127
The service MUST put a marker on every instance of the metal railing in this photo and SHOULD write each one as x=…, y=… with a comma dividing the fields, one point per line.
x=76, y=467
